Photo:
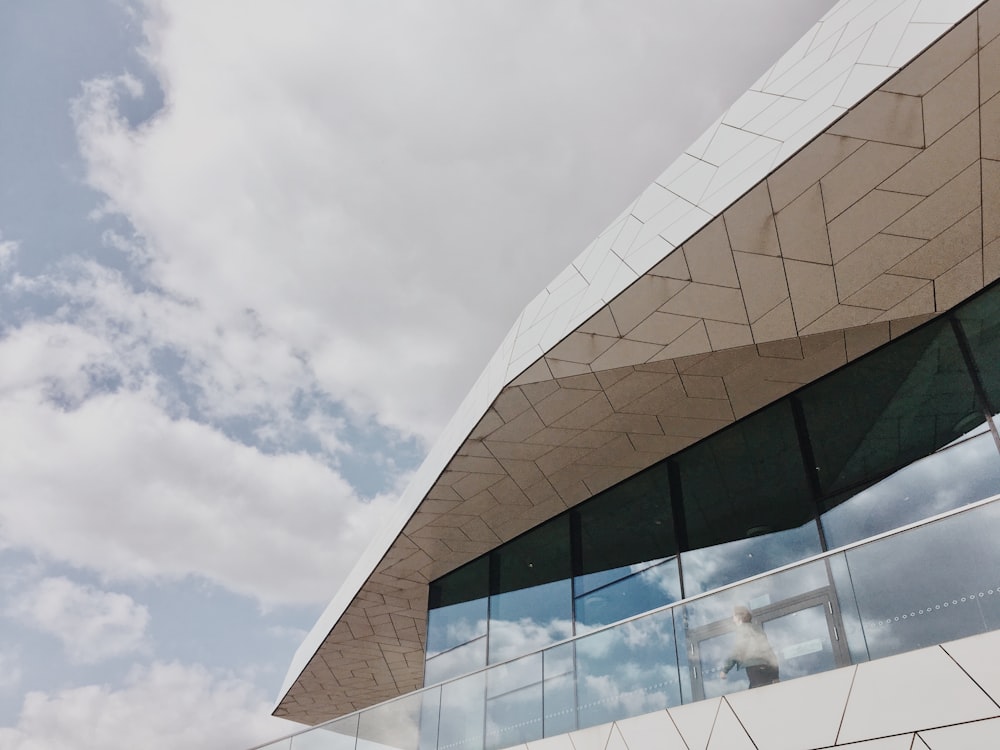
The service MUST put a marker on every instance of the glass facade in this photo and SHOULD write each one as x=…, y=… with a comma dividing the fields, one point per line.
x=897, y=436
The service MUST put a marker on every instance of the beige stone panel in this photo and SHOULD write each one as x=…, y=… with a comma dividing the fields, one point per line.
x=473, y=484
x=524, y=472
x=582, y=348
x=698, y=408
x=937, y=62
x=475, y=448
x=802, y=228
x=871, y=260
x=989, y=22
x=561, y=403
x=865, y=219
x=563, y=369
x=808, y=166
x=537, y=372
x=709, y=302
x=692, y=428
x=989, y=71
x=989, y=121
x=960, y=282
x=674, y=266
x=862, y=171
x=693, y=341
x=789, y=348
x=813, y=290
x=709, y=257
x=511, y=403
x=591, y=439
x=638, y=384
x=884, y=116
x=921, y=302
x=519, y=428
x=950, y=247
x=490, y=421
x=662, y=328
x=991, y=262
x=749, y=397
x=618, y=453
x=588, y=382
x=991, y=200
x=942, y=209
x=535, y=392
x=728, y=335
x=601, y=323
x=657, y=401
x=477, y=530
x=863, y=339
x=951, y=100
x=750, y=223
x=884, y=292
x=776, y=324
x=762, y=279
x=552, y=436
x=940, y=162
x=660, y=445
x=475, y=465
x=718, y=363
x=586, y=415
x=635, y=422
x=601, y=478
x=608, y=378
x=515, y=450
x=560, y=457
x=624, y=353
x=701, y=386
x=644, y=297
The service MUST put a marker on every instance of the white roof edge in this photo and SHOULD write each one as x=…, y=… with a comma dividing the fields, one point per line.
x=800, y=70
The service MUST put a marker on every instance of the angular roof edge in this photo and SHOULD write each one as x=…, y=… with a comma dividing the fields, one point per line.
x=848, y=54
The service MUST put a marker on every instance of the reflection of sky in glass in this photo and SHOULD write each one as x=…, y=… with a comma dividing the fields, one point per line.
x=528, y=619
x=637, y=589
x=930, y=584
x=396, y=724
x=463, y=709
x=708, y=568
x=961, y=474
x=460, y=660
x=336, y=736
x=449, y=626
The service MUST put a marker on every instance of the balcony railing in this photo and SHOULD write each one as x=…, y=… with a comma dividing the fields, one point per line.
x=923, y=584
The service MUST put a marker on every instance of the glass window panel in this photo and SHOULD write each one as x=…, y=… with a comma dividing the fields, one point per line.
x=980, y=320
x=712, y=567
x=458, y=607
x=746, y=481
x=559, y=689
x=505, y=678
x=627, y=670
x=463, y=713
x=395, y=724
x=931, y=584
x=847, y=604
x=337, y=735
x=529, y=619
x=514, y=718
x=647, y=589
x=458, y=661
x=890, y=408
x=625, y=526
x=532, y=604
x=961, y=474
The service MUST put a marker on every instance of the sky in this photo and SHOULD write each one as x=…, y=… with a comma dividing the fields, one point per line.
x=252, y=256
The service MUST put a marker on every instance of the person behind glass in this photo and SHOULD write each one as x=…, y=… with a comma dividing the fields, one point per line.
x=752, y=651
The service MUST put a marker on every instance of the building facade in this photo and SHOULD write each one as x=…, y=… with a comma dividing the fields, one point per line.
x=768, y=389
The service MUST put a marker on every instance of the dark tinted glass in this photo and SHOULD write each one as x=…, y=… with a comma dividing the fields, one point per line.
x=458, y=607
x=746, y=481
x=980, y=321
x=539, y=556
x=894, y=406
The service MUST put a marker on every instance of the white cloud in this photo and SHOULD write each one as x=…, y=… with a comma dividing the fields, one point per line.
x=166, y=705
x=7, y=250
x=117, y=486
x=384, y=190
x=10, y=670
x=93, y=625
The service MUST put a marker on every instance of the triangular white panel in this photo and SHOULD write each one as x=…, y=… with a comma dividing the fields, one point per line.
x=651, y=730
x=616, y=741
x=793, y=715
x=559, y=742
x=927, y=689
x=695, y=721
x=728, y=733
x=980, y=657
x=594, y=738
x=976, y=735
x=898, y=742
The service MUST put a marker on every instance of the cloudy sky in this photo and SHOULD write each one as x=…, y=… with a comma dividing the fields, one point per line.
x=252, y=256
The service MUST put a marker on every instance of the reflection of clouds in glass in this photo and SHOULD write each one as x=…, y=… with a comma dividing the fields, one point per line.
x=513, y=638
x=663, y=577
x=461, y=660
x=942, y=481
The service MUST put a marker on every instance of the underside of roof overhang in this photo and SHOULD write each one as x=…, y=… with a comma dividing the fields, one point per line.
x=888, y=218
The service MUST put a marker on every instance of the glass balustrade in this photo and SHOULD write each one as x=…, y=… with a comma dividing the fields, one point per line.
x=935, y=581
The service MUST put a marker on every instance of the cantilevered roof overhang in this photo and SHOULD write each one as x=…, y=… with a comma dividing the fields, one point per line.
x=851, y=194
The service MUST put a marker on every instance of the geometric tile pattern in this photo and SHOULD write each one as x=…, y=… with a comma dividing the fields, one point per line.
x=925, y=700
x=728, y=284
